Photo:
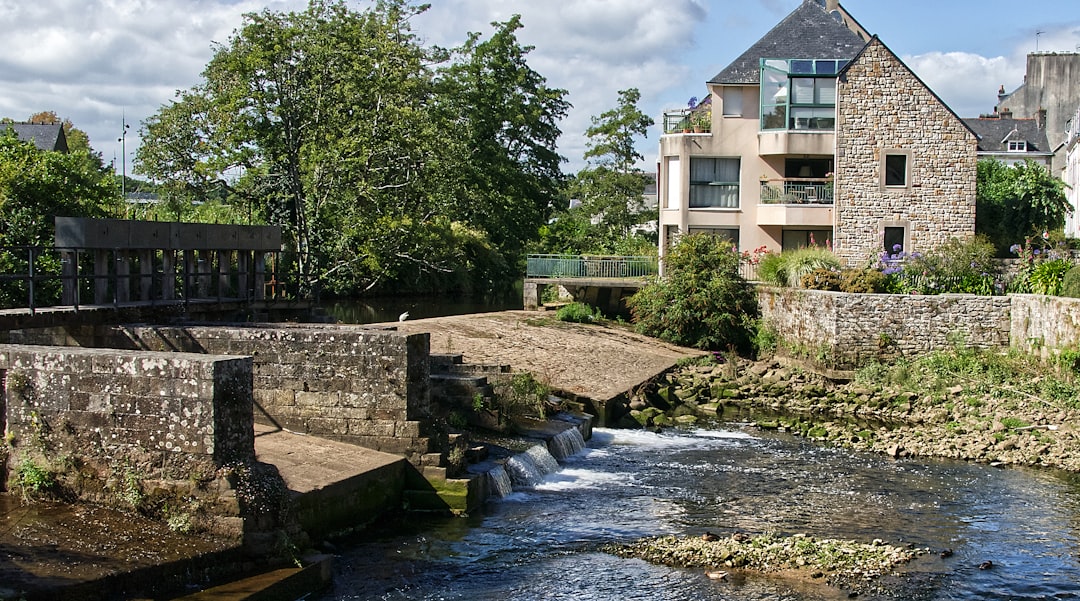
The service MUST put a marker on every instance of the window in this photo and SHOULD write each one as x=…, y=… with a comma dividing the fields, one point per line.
x=1017, y=145
x=674, y=181
x=894, y=240
x=733, y=102
x=795, y=239
x=729, y=233
x=896, y=169
x=714, y=183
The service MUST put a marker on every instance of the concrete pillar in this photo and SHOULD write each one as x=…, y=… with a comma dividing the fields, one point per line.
x=224, y=263
x=101, y=277
x=243, y=274
x=146, y=275
x=168, y=275
x=532, y=292
x=123, y=279
x=260, y=275
x=69, y=272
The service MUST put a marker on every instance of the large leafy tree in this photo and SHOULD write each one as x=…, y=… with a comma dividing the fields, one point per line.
x=611, y=187
x=36, y=187
x=1018, y=201
x=506, y=121
x=325, y=113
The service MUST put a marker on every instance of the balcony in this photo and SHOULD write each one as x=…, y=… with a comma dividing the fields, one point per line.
x=797, y=190
x=796, y=201
x=685, y=121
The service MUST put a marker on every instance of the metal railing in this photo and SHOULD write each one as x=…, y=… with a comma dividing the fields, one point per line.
x=686, y=120
x=796, y=190
x=586, y=266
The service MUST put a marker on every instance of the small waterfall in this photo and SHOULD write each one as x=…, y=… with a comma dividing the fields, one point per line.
x=499, y=482
x=567, y=443
x=530, y=467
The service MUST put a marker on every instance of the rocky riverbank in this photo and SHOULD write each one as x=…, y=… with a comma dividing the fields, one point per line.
x=975, y=418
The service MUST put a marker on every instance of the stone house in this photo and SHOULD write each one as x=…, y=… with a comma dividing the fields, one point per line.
x=818, y=134
x=45, y=136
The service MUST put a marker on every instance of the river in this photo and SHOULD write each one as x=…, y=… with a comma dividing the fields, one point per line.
x=541, y=541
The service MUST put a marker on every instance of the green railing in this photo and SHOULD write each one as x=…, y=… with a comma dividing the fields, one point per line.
x=589, y=266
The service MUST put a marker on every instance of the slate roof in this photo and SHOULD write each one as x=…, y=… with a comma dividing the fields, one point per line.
x=994, y=134
x=46, y=136
x=808, y=32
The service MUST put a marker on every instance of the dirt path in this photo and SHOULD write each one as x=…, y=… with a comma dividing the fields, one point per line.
x=594, y=361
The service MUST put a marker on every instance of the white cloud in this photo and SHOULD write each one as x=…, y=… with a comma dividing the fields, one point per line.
x=967, y=82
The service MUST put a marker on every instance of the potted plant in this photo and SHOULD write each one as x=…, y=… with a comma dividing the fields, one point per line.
x=703, y=119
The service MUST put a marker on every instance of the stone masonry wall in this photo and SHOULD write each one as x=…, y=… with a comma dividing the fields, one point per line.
x=1042, y=324
x=138, y=430
x=364, y=386
x=882, y=106
x=844, y=330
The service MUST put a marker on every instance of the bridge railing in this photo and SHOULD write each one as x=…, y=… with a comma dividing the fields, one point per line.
x=590, y=266
x=34, y=277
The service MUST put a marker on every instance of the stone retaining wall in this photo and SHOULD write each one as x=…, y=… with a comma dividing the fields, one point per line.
x=137, y=429
x=364, y=386
x=842, y=330
x=1042, y=324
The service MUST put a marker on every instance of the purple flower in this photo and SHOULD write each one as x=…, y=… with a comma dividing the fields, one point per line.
x=897, y=247
x=1015, y=249
x=1038, y=252
x=692, y=103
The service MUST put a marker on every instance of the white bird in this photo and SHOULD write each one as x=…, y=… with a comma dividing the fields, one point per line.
x=403, y=316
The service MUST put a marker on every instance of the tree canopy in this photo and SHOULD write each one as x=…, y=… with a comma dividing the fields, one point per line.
x=1016, y=202
x=610, y=189
x=383, y=170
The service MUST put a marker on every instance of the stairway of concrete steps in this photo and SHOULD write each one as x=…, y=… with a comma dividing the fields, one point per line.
x=454, y=383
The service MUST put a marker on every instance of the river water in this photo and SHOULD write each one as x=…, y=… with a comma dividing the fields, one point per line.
x=542, y=541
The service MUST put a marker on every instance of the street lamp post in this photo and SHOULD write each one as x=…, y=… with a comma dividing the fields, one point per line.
x=123, y=157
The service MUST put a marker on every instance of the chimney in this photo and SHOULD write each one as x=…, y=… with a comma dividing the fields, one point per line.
x=1005, y=113
x=831, y=5
x=1040, y=118
x=1001, y=94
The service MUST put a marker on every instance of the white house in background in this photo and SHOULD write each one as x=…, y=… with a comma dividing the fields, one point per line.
x=1071, y=174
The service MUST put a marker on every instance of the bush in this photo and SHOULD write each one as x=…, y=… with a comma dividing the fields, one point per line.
x=1070, y=284
x=789, y=267
x=578, y=313
x=821, y=279
x=1047, y=277
x=958, y=266
x=863, y=280
x=702, y=302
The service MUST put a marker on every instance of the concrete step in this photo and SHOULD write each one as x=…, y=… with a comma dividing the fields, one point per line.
x=286, y=583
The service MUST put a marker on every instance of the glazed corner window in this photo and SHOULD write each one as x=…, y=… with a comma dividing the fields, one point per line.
x=896, y=170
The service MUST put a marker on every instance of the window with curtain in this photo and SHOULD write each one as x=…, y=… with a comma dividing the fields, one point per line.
x=714, y=183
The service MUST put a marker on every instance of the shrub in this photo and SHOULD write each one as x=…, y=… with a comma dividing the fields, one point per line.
x=964, y=266
x=821, y=279
x=702, y=301
x=863, y=280
x=789, y=267
x=1047, y=277
x=1070, y=284
x=578, y=313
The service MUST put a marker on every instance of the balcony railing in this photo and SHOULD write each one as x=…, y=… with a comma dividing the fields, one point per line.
x=696, y=120
x=797, y=190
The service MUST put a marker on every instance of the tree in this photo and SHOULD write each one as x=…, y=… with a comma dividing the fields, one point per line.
x=508, y=118
x=611, y=189
x=702, y=302
x=325, y=113
x=1016, y=202
x=37, y=186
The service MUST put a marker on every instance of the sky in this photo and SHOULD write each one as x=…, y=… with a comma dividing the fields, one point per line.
x=106, y=63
